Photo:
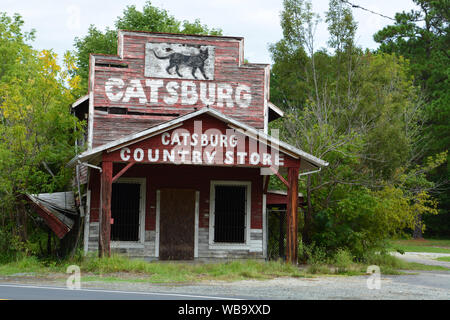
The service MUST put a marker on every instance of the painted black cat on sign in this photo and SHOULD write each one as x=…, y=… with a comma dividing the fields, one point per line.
x=164, y=60
x=177, y=60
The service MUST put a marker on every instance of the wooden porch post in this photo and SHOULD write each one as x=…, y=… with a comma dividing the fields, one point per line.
x=105, y=216
x=291, y=216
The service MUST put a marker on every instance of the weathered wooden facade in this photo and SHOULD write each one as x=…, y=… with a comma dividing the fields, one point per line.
x=178, y=155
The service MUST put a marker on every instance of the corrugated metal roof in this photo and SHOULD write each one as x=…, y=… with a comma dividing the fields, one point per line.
x=58, y=207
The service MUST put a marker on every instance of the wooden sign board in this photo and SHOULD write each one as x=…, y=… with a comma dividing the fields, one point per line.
x=158, y=76
x=200, y=141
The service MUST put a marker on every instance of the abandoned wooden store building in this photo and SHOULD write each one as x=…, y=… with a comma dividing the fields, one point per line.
x=177, y=153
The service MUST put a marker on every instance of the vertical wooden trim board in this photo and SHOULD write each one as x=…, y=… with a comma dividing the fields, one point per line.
x=197, y=206
x=158, y=209
x=86, y=222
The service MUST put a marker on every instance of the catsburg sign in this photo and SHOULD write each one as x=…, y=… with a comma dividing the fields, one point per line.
x=187, y=93
x=210, y=147
x=178, y=61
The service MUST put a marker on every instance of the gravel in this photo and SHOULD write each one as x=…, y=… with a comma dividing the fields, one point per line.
x=426, y=285
x=418, y=285
x=429, y=285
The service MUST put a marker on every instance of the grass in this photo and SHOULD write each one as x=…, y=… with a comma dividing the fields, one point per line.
x=447, y=259
x=388, y=264
x=422, y=245
x=119, y=268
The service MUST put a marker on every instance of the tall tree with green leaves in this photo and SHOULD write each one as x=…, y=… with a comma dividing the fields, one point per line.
x=150, y=19
x=422, y=36
x=36, y=127
x=357, y=110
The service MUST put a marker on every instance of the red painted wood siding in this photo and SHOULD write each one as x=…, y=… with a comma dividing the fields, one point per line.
x=110, y=127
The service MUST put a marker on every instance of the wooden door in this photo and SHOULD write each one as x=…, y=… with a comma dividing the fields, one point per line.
x=177, y=219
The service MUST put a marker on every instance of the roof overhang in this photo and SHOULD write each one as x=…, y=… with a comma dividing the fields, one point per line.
x=80, y=101
x=274, y=112
x=308, y=161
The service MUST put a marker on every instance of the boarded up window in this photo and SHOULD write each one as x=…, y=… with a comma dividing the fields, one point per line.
x=229, y=215
x=125, y=212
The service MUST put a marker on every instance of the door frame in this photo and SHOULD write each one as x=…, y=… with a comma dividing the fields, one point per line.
x=142, y=200
x=158, y=215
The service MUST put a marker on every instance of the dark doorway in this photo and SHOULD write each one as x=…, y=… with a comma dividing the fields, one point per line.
x=125, y=211
x=229, y=214
x=177, y=224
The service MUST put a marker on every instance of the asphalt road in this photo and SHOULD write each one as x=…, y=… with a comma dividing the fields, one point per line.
x=426, y=285
x=31, y=292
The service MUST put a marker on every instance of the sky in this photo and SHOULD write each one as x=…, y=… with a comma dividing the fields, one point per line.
x=57, y=23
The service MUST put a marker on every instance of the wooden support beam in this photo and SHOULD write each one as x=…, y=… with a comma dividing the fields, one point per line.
x=121, y=172
x=104, y=238
x=266, y=184
x=280, y=176
x=291, y=217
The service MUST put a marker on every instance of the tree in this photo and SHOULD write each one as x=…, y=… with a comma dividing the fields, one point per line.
x=422, y=37
x=357, y=110
x=36, y=127
x=150, y=19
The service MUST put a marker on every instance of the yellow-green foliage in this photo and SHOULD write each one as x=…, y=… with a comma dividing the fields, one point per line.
x=36, y=127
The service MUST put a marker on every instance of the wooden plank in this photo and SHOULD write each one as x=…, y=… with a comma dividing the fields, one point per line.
x=121, y=172
x=105, y=220
x=266, y=184
x=280, y=176
x=291, y=217
x=177, y=224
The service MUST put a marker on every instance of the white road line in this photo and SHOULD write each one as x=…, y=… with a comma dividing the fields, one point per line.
x=118, y=291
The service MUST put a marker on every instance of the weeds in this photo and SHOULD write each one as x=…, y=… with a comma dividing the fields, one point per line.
x=122, y=267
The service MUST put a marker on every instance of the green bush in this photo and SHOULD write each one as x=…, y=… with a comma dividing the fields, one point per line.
x=343, y=260
x=363, y=221
x=11, y=248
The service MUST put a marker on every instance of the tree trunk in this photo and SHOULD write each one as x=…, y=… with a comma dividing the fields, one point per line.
x=21, y=220
x=49, y=242
x=417, y=234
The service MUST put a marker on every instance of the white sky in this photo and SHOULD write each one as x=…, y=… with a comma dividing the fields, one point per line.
x=58, y=22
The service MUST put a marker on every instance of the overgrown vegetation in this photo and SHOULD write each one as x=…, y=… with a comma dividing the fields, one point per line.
x=120, y=268
x=363, y=112
x=421, y=245
x=36, y=133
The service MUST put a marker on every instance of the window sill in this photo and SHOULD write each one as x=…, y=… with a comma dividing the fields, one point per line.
x=229, y=246
x=127, y=244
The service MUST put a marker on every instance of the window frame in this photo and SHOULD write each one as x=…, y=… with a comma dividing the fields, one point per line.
x=230, y=245
x=142, y=201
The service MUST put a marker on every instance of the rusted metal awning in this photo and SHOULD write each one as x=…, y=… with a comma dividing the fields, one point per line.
x=56, y=209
